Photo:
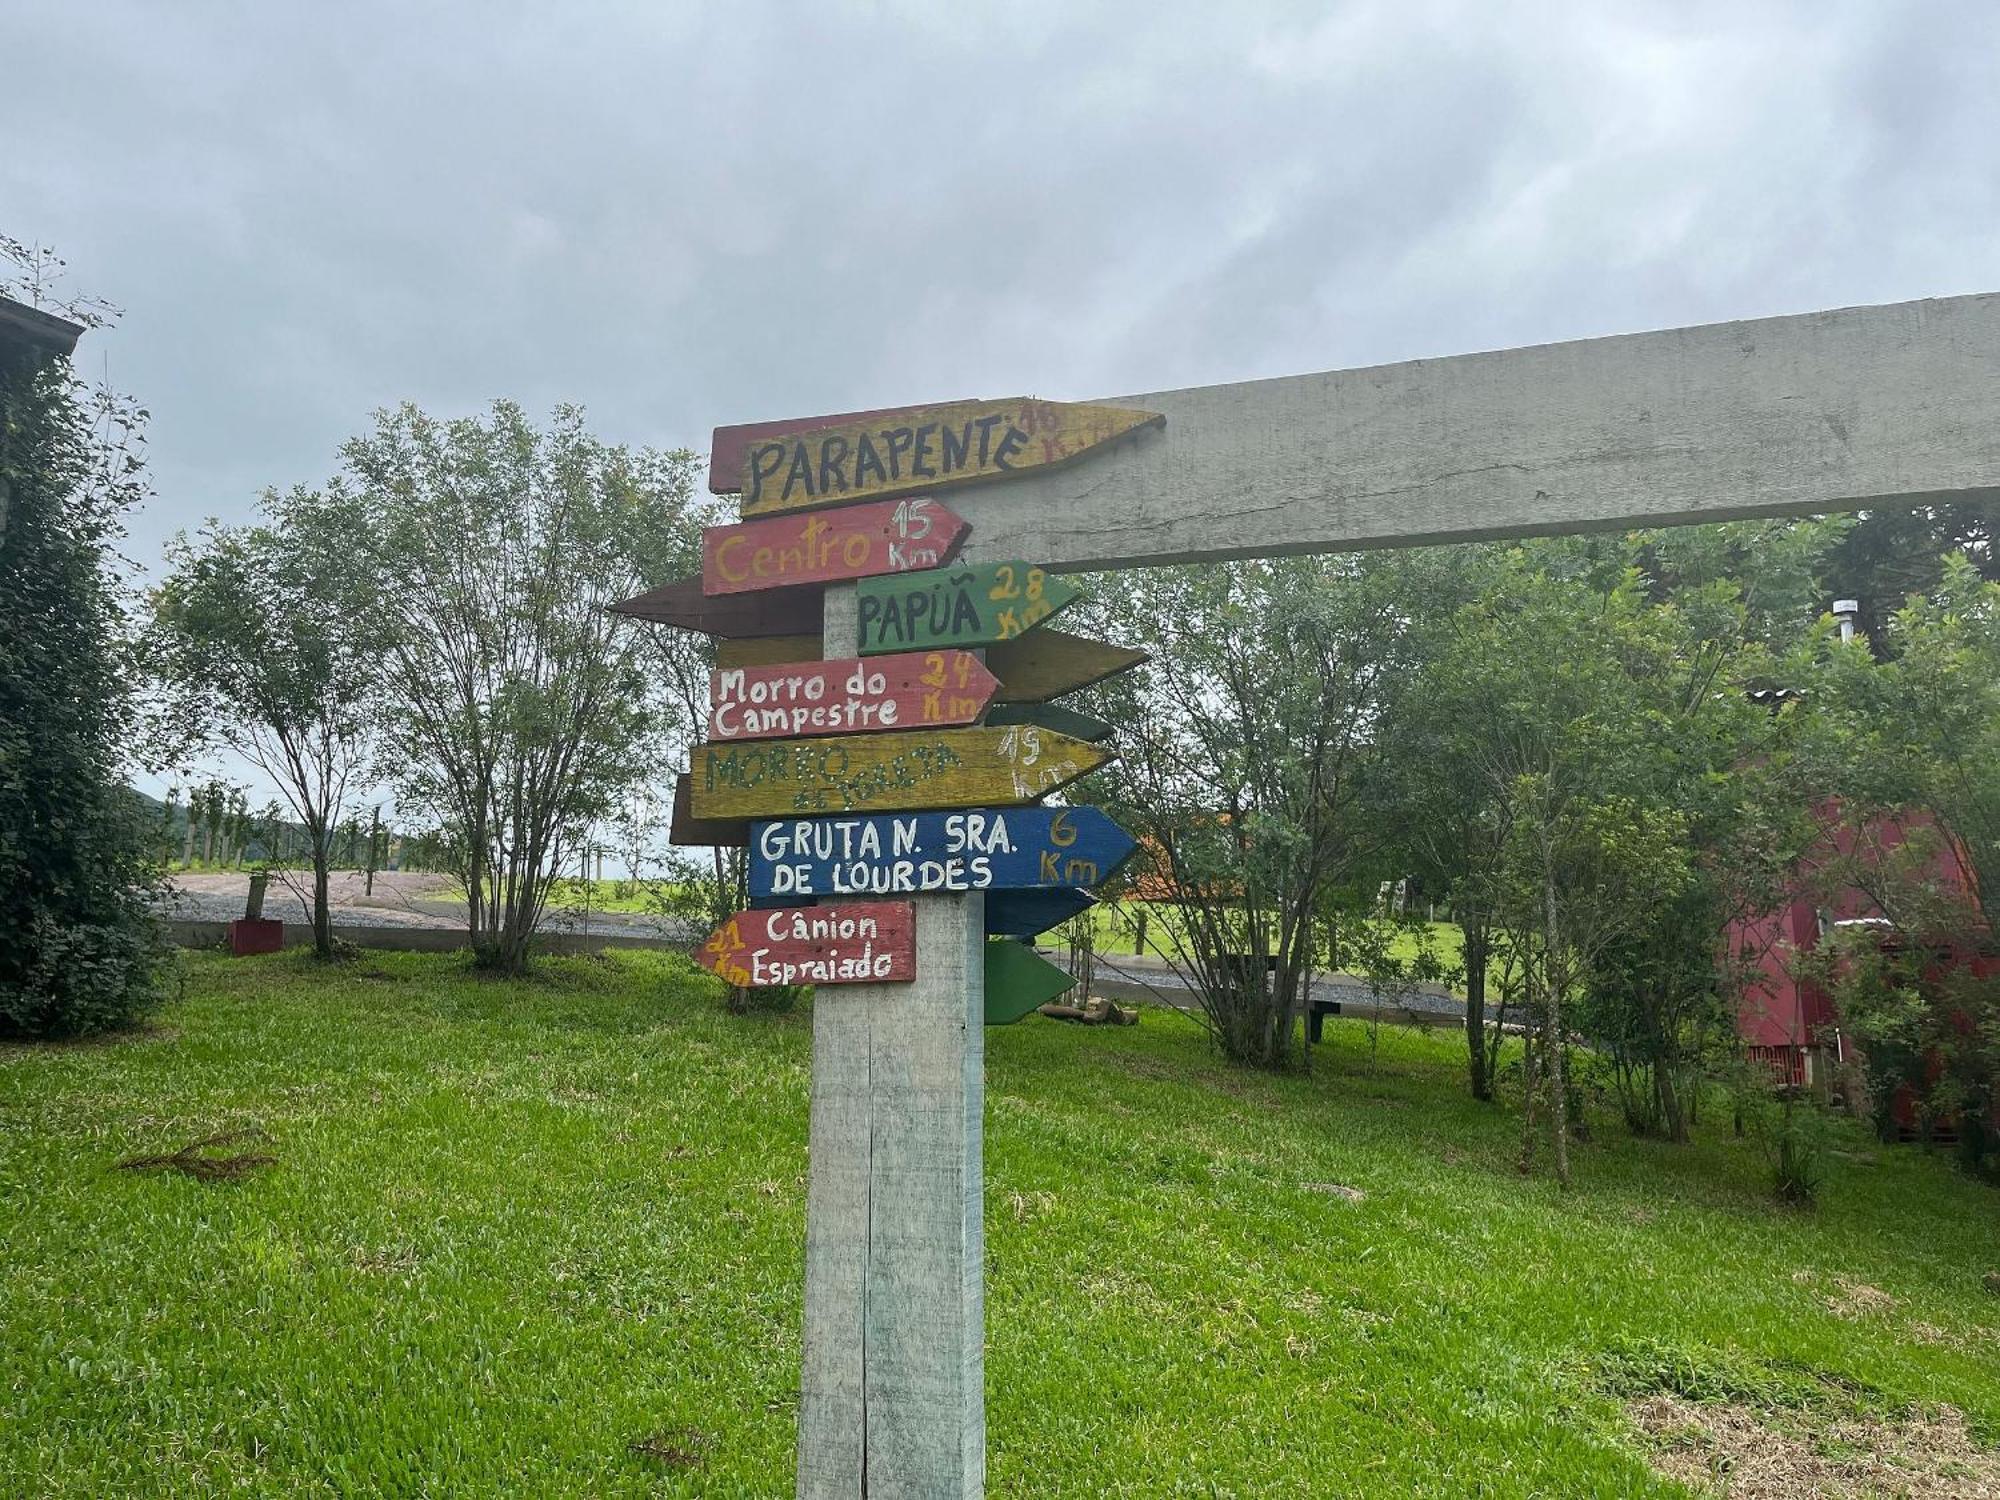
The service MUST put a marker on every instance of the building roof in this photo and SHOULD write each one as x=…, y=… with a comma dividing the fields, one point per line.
x=25, y=327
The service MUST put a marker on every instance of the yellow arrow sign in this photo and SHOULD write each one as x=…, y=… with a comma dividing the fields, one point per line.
x=887, y=772
x=919, y=449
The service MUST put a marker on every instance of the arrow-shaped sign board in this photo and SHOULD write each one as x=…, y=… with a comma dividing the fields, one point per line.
x=973, y=606
x=1019, y=980
x=923, y=448
x=1043, y=664
x=858, y=942
x=899, y=854
x=1028, y=914
x=835, y=546
x=1078, y=726
x=777, y=612
x=915, y=690
x=879, y=772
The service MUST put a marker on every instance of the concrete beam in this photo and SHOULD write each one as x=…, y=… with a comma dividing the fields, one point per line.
x=1846, y=410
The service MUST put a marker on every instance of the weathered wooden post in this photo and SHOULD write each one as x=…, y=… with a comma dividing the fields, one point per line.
x=893, y=1394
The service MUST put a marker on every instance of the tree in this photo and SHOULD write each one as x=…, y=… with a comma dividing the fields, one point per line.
x=1251, y=738
x=517, y=707
x=258, y=648
x=1908, y=747
x=79, y=947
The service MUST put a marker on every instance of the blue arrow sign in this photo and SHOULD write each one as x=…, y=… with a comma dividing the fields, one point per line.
x=994, y=848
x=1030, y=913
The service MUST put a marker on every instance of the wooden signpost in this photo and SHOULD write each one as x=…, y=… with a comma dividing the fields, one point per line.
x=1030, y=913
x=858, y=942
x=1857, y=409
x=832, y=546
x=975, y=606
x=866, y=772
x=922, y=449
x=1043, y=664
x=916, y=690
x=896, y=854
x=1019, y=981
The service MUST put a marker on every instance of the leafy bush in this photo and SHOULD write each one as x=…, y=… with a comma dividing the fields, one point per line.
x=79, y=949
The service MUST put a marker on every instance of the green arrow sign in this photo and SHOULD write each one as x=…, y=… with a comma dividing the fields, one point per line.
x=975, y=606
x=1019, y=980
x=1062, y=720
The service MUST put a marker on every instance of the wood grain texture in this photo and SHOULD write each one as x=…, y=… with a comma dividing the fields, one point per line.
x=682, y=604
x=1043, y=664
x=892, y=1396
x=831, y=546
x=961, y=443
x=1831, y=411
x=685, y=830
x=887, y=772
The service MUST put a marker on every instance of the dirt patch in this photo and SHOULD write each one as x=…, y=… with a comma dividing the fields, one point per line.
x=1848, y=1297
x=1337, y=1190
x=679, y=1448
x=1751, y=1453
x=195, y=1158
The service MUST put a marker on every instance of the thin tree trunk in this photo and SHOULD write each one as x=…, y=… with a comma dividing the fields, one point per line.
x=1558, y=977
x=1475, y=1010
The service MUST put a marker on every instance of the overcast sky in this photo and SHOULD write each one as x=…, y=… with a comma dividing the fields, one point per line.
x=682, y=214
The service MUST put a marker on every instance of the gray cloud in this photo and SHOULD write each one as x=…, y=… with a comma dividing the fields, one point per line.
x=681, y=215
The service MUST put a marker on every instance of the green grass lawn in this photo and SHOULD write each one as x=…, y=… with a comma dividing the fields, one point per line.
x=515, y=1228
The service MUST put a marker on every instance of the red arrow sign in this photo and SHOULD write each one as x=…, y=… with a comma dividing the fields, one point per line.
x=910, y=690
x=856, y=541
x=855, y=942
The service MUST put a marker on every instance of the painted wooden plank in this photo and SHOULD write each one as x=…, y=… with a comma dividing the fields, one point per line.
x=1019, y=980
x=914, y=690
x=894, y=854
x=1029, y=914
x=832, y=546
x=885, y=772
x=854, y=942
x=685, y=830
x=1861, y=408
x=1047, y=663
x=766, y=651
x=1043, y=664
x=770, y=612
x=1078, y=726
x=958, y=606
x=729, y=444
x=961, y=443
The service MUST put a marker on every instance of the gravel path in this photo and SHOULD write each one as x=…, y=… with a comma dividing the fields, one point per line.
x=400, y=899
